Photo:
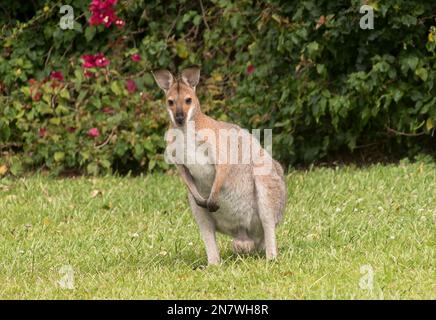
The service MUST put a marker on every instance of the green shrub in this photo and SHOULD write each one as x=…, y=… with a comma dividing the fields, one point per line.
x=303, y=68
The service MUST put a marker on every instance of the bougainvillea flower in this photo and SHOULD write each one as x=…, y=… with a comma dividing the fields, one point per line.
x=42, y=132
x=88, y=74
x=108, y=18
x=93, y=133
x=97, y=60
x=108, y=110
x=120, y=23
x=102, y=4
x=57, y=75
x=103, y=12
x=100, y=60
x=88, y=61
x=135, y=57
x=131, y=86
x=250, y=69
x=37, y=96
x=96, y=19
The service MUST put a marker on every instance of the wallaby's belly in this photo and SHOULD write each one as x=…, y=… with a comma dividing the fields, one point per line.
x=203, y=175
x=238, y=211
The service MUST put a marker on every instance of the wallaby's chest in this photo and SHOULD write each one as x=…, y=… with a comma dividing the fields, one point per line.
x=199, y=161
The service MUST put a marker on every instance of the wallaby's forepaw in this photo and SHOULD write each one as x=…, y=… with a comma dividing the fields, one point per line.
x=212, y=206
x=201, y=203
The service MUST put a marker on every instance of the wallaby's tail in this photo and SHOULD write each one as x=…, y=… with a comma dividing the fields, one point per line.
x=283, y=190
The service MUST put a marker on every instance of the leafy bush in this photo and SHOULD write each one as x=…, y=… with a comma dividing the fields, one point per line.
x=84, y=99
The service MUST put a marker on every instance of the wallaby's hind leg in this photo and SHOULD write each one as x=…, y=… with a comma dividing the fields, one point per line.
x=269, y=230
x=260, y=244
x=270, y=193
x=207, y=231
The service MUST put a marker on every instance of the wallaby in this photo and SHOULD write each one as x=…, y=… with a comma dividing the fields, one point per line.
x=224, y=196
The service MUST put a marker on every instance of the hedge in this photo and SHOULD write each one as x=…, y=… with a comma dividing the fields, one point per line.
x=83, y=99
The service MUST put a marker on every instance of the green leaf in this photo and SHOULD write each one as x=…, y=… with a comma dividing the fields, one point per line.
x=62, y=109
x=59, y=156
x=182, y=49
x=197, y=19
x=312, y=49
x=92, y=168
x=397, y=94
x=410, y=63
x=90, y=33
x=116, y=88
x=105, y=163
x=56, y=121
x=25, y=90
x=65, y=93
x=16, y=168
x=320, y=68
x=429, y=124
x=151, y=164
x=422, y=73
x=5, y=131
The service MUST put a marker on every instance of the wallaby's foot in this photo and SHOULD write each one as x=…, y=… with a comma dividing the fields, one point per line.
x=213, y=261
x=260, y=245
x=271, y=253
x=243, y=246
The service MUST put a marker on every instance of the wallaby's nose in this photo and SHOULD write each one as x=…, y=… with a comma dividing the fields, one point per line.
x=180, y=118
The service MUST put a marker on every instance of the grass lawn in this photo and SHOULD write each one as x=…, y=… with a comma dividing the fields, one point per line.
x=124, y=237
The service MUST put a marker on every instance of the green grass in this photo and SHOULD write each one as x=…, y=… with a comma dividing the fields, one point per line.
x=137, y=238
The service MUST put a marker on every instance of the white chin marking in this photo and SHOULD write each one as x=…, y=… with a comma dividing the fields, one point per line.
x=171, y=116
x=190, y=113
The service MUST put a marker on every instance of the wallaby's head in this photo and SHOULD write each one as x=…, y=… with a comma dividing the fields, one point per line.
x=181, y=100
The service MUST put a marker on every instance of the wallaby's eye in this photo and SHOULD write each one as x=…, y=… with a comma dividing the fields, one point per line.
x=170, y=102
x=188, y=100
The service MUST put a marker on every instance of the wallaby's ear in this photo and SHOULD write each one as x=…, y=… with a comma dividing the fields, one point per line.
x=164, y=79
x=191, y=76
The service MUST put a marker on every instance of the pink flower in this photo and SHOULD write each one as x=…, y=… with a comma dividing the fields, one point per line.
x=108, y=18
x=88, y=74
x=108, y=110
x=101, y=4
x=97, y=60
x=96, y=19
x=42, y=132
x=100, y=60
x=93, y=133
x=102, y=12
x=135, y=57
x=131, y=86
x=120, y=23
x=250, y=69
x=88, y=61
x=57, y=75
x=37, y=96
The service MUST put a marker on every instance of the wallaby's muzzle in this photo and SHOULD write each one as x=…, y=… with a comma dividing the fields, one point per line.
x=180, y=118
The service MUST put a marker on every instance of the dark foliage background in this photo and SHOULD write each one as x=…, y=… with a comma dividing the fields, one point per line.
x=303, y=68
